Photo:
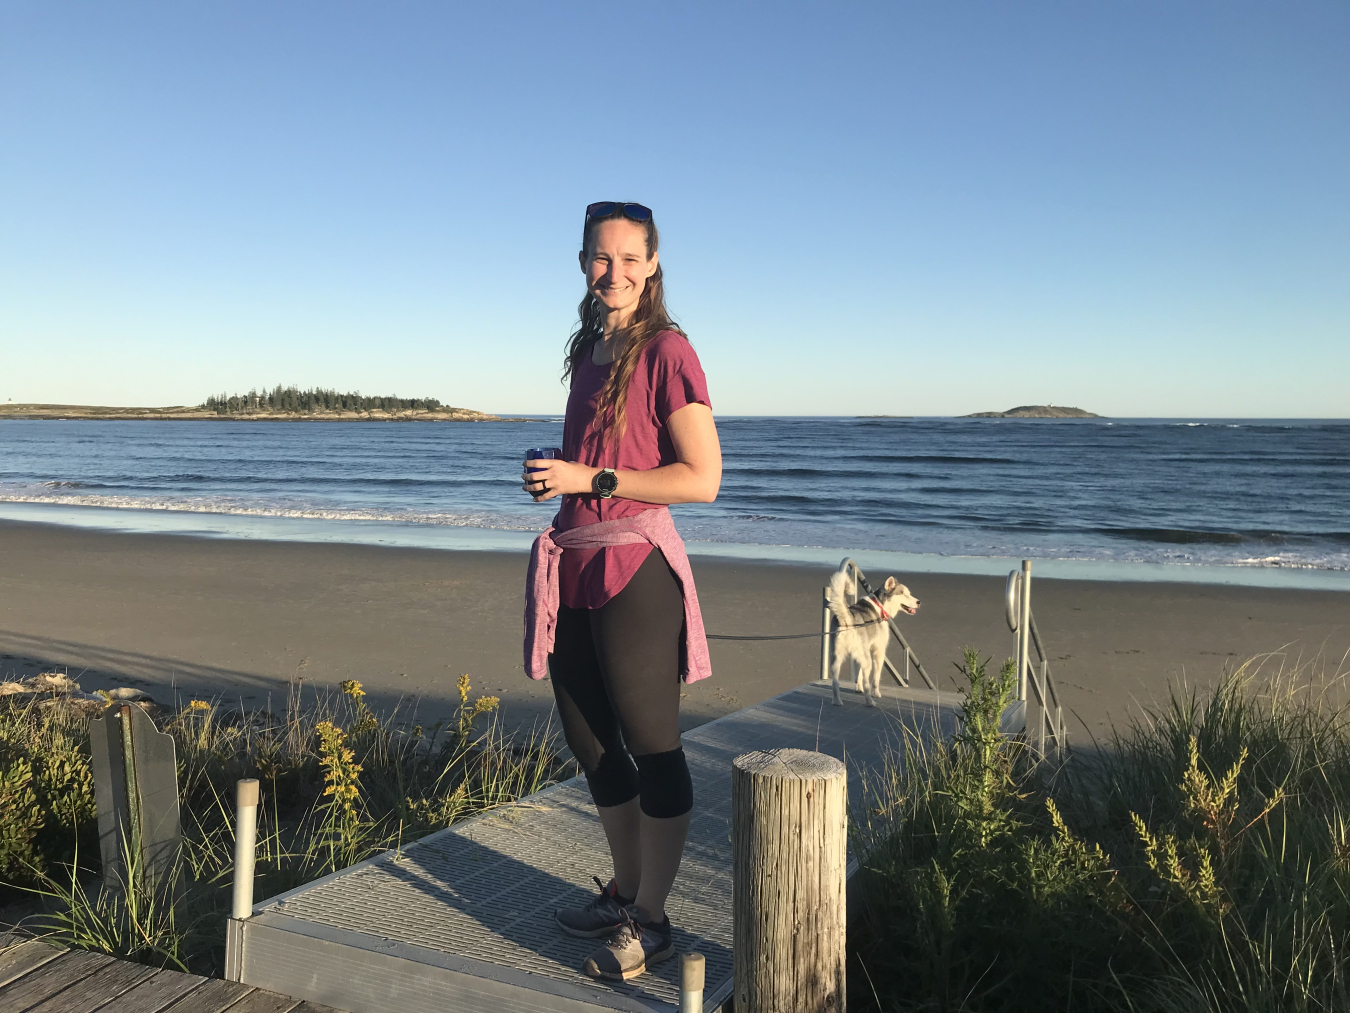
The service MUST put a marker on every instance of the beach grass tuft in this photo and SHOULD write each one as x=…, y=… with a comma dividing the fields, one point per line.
x=1199, y=860
x=339, y=784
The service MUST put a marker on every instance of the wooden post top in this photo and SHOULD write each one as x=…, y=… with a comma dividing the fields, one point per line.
x=790, y=765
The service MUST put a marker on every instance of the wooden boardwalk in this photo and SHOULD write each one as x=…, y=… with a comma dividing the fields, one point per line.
x=36, y=977
x=463, y=919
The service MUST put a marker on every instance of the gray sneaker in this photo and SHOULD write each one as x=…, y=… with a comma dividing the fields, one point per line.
x=602, y=916
x=635, y=946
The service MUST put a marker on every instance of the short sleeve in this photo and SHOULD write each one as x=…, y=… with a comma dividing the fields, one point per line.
x=677, y=375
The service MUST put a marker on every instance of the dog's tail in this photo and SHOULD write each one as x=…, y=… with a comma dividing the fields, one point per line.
x=841, y=585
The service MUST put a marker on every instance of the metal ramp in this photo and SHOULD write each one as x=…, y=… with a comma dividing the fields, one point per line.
x=462, y=920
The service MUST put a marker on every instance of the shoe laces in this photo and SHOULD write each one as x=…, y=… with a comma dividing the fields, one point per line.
x=629, y=927
x=605, y=896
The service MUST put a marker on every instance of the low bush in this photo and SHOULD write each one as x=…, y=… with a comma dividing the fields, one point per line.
x=1198, y=861
x=46, y=789
x=339, y=784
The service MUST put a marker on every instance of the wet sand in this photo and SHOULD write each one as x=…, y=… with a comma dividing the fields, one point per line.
x=239, y=619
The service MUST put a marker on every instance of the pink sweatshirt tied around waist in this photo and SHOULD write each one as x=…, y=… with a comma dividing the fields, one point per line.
x=541, y=585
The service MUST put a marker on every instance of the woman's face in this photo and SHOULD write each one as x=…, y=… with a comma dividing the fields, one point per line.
x=616, y=264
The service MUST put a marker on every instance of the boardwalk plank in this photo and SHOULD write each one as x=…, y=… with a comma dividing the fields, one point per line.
x=49, y=979
x=24, y=955
x=264, y=1002
x=212, y=997
x=313, y=1007
x=98, y=989
x=156, y=992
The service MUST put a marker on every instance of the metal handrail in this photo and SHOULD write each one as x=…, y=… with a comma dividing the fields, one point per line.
x=860, y=583
x=1017, y=603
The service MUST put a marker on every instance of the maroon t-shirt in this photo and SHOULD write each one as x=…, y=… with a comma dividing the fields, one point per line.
x=668, y=377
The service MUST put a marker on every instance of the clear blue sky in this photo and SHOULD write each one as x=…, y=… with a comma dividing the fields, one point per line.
x=1137, y=208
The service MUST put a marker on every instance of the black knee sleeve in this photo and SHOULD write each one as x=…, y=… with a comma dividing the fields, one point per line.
x=666, y=787
x=614, y=780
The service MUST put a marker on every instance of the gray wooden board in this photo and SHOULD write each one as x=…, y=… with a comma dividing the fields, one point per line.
x=213, y=996
x=97, y=990
x=18, y=958
x=157, y=792
x=49, y=979
x=262, y=1002
x=463, y=918
x=158, y=991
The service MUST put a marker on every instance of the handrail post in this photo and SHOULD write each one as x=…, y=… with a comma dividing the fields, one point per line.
x=1043, y=712
x=1024, y=631
x=825, y=644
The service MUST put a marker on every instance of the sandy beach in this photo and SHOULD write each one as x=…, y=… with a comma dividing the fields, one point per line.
x=239, y=619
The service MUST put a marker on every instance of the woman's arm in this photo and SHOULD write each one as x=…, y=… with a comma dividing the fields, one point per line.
x=695, y=476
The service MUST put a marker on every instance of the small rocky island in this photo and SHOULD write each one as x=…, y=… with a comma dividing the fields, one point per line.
x=1036, y=411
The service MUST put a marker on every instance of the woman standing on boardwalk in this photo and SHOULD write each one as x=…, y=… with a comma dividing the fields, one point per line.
x=611, y=611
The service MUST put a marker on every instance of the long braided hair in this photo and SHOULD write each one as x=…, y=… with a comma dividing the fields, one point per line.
x=649, y=319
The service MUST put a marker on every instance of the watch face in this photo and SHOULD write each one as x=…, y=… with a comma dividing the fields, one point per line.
x=606, y=481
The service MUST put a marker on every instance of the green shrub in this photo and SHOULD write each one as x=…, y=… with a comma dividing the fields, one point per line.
x=339, y=785
x=1199, y=861
x=22, y=817
x=46, y=789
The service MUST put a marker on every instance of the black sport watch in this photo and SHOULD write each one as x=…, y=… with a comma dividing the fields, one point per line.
x=605, y=482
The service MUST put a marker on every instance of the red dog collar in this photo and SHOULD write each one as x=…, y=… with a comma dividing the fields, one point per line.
x=877, y=602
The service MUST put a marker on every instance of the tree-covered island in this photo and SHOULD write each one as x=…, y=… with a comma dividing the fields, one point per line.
x=317, y=404
x=294, y=401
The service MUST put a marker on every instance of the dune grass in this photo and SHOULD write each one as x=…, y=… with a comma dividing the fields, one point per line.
x=1197, y=861
x=339, y=784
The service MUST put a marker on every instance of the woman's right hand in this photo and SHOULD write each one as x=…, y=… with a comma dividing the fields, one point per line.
x=547, y=478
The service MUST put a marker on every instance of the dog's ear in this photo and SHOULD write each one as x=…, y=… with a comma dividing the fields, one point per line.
x=890, y=584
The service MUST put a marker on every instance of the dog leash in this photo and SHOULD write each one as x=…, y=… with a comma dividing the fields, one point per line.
x=796, y=636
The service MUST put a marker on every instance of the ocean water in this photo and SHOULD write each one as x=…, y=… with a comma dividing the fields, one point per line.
x=1235, y=497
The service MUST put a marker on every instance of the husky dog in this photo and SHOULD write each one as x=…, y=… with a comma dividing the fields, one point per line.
x=863, y=631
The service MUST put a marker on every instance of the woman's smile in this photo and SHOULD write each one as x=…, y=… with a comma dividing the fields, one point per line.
x=617, y=268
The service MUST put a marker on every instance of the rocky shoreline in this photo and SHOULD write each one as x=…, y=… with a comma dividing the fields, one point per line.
x=196, y=413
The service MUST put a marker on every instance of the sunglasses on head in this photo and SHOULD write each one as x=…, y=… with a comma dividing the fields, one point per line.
x=609, y=208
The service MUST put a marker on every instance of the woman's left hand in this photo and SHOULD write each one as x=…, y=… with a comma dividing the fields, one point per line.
x=556, y=478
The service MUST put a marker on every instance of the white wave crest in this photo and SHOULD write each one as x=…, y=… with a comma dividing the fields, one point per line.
x=300, y=511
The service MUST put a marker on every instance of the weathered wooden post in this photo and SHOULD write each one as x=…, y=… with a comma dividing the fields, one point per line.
x=136, y=794
x=789, y=842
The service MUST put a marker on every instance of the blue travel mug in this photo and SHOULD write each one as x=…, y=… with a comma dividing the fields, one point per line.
x=543, y=454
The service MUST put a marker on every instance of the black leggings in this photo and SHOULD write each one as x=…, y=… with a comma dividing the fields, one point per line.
x=616, y=677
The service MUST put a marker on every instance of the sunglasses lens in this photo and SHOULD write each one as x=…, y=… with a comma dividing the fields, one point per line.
x=638, y=212
x=601, y=209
